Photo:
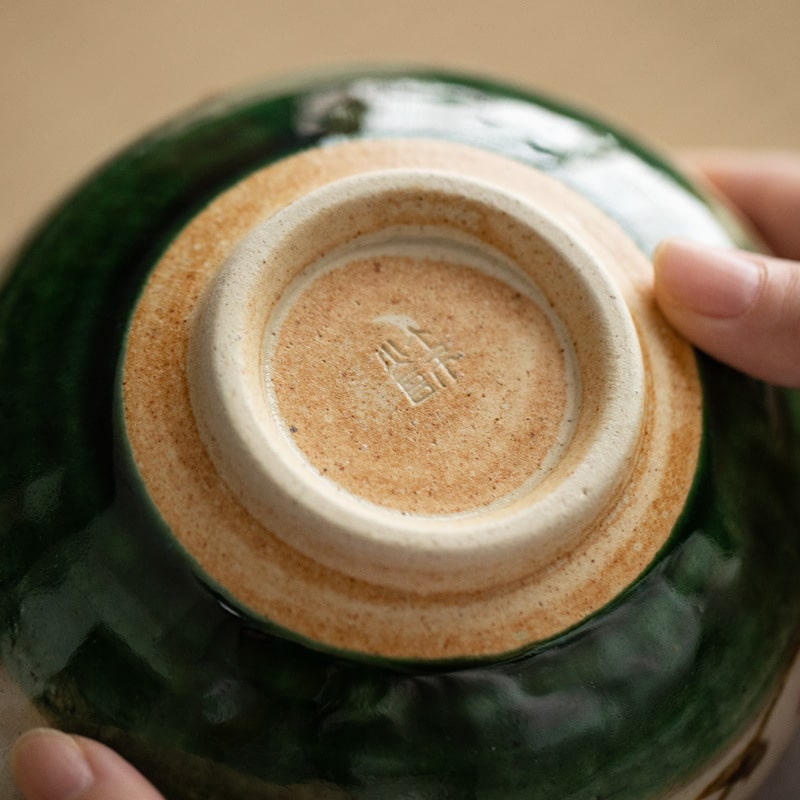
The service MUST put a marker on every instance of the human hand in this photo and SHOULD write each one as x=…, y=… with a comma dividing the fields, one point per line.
x=742, y=308
x=50, y=765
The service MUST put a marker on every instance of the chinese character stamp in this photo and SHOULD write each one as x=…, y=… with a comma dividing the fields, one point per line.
x=416, y=361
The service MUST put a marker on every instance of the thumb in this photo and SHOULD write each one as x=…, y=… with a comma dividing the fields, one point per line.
x=742, y=308
x=50, y=765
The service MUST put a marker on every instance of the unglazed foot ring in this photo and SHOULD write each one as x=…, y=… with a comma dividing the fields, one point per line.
x=268, y=349
x=410, y=399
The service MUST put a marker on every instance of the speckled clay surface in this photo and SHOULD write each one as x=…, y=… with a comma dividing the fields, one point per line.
x=125, y=610
x=424, y=612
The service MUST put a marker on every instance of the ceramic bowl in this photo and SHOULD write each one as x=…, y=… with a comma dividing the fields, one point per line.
x=345, y=453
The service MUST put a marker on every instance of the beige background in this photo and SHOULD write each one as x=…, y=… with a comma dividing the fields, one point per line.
x=78, y=79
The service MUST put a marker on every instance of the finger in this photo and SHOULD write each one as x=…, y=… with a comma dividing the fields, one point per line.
x=741, y=308
x=764, y=186
x=50, y=765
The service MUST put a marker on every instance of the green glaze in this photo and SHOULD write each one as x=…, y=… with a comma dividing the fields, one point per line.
x=106, y=625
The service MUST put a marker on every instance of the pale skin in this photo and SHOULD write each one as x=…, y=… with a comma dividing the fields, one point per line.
x=741, y=308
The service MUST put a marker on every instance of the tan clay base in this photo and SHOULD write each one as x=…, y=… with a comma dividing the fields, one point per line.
x=444, y=413
x=271, y=578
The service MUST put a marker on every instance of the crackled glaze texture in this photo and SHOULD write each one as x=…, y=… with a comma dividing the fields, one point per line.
x=680, y=684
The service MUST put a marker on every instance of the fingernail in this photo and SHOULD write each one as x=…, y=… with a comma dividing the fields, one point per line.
x=49, y=765
x=708, y=281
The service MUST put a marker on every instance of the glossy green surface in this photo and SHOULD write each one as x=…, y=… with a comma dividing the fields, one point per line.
x=104, y=623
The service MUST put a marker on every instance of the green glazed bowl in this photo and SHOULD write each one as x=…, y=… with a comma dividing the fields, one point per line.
x=680, y=681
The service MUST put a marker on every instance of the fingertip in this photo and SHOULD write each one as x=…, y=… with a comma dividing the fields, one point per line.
x=50, y=765
x=705, y=282
x=662, y=268
x=742, y=308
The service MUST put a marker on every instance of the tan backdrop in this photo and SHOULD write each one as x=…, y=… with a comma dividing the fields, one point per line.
x=79, y=79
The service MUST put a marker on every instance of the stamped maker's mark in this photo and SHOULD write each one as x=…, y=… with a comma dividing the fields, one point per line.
x=417, y=363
